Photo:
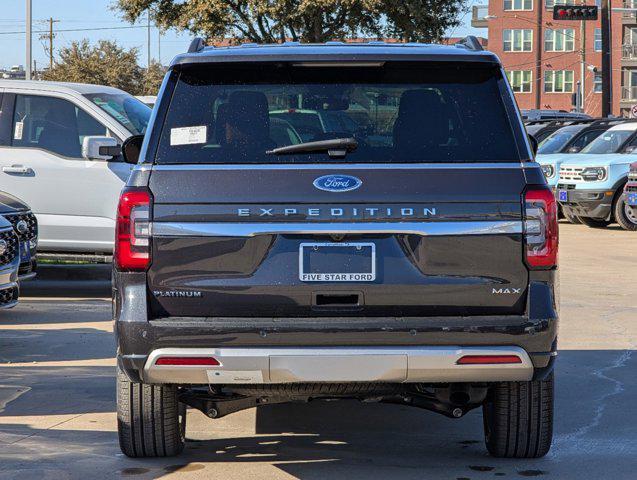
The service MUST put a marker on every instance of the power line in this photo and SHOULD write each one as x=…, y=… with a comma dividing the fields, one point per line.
x=77, y=30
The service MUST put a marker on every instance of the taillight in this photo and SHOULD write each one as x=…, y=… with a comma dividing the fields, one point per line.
x=540, y=228
x=188, y=361
x=132, y=230
x=488, y=359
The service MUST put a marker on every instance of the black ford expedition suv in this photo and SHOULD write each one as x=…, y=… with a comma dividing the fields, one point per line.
x=409, y=261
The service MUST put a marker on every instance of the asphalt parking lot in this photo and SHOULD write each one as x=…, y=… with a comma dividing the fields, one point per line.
x=57, y=396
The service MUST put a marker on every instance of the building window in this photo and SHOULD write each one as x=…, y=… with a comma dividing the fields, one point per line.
x=598, y=40
x=560, y=40
x=551, y=3
x=520, y=80
x=518, y=4
x=558, y=81
x=597, y=83
x=517, y=40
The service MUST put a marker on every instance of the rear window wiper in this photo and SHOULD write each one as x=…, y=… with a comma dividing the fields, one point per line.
x=335, y=147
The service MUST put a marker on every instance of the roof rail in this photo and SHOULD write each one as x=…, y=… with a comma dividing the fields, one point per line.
x=470, y=42
x=196, y=45
x=613, y=120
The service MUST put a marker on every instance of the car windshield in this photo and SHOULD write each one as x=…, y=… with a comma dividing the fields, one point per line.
x=126, y=109
x=557, y=140
x=396, y=112
x=608, y=142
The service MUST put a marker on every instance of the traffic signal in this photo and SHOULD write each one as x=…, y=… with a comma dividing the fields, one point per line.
x=574, y=12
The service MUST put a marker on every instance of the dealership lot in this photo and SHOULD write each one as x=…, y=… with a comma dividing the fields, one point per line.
x=57, y=392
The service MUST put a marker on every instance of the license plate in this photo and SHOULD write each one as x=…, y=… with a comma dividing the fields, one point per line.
x=562, y=195
x=337, y=262
x=25, y=252
x=632, y=199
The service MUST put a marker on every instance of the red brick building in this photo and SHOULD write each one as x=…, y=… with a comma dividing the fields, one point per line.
x=542, y=56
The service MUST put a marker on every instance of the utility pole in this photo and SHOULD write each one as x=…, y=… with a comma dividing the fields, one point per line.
x=159, y=46
x=582, y=64
x=148, y=39
x=28, y=45
x=606, y=60
x=49, y=36
x=538, y=59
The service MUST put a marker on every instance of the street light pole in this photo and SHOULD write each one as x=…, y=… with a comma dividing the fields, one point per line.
x=148, y=39
x=29, y=61
x=606, y=61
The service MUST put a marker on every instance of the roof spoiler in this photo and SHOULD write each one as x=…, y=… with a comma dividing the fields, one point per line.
x=470, y=42
x=196, y=45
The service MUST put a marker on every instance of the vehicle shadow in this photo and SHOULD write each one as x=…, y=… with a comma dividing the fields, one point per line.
x=322, y=439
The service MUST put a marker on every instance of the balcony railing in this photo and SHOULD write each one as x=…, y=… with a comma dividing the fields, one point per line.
x=478, y=16
x=629, y=93
x=629, y=4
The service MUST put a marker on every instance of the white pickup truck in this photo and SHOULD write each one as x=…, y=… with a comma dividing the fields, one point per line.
x=59, y=152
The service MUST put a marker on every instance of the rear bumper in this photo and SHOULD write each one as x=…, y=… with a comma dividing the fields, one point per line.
x=534, y=333
x=588, y=203
x=335, y=364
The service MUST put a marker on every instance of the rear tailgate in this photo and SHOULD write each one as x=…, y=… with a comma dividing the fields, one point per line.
x=227, y=240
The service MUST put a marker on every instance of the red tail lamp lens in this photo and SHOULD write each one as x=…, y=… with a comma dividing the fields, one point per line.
x=488, y=359
x=187, y=361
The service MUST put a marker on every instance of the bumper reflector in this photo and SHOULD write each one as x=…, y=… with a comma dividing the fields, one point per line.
x=186, y=361
x=488, y=359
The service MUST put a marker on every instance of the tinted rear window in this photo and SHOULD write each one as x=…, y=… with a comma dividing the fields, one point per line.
x=397, y=112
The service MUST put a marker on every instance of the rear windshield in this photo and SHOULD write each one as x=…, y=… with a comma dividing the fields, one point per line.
x=396, y=112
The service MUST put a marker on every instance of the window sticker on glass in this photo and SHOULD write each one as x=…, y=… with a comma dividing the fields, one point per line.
x=188, y=135
x=19, y=128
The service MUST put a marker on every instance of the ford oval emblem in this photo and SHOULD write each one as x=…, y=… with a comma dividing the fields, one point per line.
x=22, y=227
x=337, y=183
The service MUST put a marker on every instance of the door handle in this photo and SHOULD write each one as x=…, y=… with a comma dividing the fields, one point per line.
x=18, y=170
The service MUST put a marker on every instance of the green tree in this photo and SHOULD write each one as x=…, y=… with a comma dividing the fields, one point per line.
x=152, y=78
x=105, y=64
x=270, y=21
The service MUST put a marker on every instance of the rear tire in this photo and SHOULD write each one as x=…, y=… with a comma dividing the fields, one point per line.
x=518, y=419
x=594, y=222
x=626, y=219
x=574, y=219
x=151, y=422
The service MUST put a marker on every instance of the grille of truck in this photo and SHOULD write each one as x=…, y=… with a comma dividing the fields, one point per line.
x=32, y=225
x=11, y=249
x=571, y=173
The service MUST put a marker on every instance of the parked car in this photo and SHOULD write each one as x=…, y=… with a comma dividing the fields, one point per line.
x=566, y=141
x=591, y=185
x=552, y=115
x=9, y=264
x=419, y=270
x=541, y=129
x=630, y=193
x=60, y=153
x=313, y=124
x=18, y=214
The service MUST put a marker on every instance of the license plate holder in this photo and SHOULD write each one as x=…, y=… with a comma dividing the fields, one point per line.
x=562, y=195
x=632, y=199
x=337, y=262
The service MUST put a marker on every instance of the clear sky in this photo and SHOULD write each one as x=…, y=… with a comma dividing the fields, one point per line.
x=94, y=15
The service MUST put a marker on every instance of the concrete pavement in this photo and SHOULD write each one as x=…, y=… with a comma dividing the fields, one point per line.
x=57, y=393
